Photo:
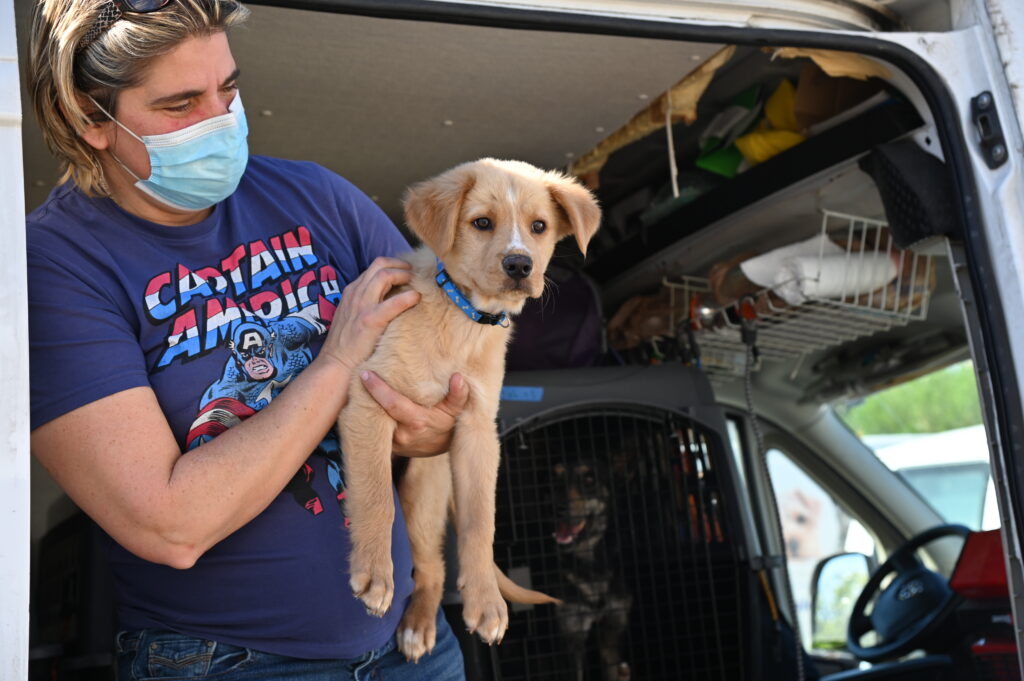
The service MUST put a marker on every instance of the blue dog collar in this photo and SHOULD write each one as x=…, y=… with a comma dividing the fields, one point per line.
x=445, y=282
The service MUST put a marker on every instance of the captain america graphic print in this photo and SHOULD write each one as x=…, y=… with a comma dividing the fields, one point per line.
x=261, y=306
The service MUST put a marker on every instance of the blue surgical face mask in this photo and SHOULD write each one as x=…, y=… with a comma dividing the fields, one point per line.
x=198, y=166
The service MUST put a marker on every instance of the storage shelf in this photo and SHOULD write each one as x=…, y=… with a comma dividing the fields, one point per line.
x=887, y=121
x=785, y=331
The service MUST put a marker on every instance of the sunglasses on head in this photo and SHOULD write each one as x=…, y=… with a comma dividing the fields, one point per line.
x=113, y=10
x=140, y=6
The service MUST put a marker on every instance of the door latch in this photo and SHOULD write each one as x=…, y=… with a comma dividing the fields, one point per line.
x=986, y=121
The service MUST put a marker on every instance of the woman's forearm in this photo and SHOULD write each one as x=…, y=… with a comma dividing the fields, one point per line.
x=217, y=488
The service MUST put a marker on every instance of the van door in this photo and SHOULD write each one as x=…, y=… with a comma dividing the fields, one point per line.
x=14, y=455
x=980, y=66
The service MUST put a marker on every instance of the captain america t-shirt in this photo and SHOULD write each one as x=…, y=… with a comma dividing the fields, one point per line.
x=218, y=318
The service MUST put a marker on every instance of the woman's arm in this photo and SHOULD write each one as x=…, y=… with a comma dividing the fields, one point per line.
x=118, y=460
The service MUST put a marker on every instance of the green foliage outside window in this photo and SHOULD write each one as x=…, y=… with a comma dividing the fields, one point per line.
x=934, y=403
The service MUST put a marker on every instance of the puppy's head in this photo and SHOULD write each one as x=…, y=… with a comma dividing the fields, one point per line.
x=495, y=225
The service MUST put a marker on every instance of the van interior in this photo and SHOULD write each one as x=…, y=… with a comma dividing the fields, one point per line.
x=638, y=373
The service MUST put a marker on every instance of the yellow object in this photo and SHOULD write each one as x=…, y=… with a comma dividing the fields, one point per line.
x=778, y=130
x=763, y=575
x=780, y=109
x=758, y=147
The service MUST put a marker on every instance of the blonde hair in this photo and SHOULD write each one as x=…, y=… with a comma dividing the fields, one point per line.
x=62, y=67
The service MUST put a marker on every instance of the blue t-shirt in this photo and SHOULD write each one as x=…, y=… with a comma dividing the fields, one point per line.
x=217, y=318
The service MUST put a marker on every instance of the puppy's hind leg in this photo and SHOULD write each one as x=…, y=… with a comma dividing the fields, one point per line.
x=366, y=432
x=425, y=491
x=475, y=455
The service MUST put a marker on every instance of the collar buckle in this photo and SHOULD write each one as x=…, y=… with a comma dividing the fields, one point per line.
x=500, y=319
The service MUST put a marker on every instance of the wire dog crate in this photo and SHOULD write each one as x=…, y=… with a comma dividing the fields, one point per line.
x=622, y=509
x=858, y=284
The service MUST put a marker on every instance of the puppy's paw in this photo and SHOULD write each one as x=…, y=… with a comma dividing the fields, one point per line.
x=373, y=583
x=484, y=610
x=416, y=635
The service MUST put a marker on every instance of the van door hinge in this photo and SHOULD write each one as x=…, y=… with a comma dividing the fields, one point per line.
x=986, y=121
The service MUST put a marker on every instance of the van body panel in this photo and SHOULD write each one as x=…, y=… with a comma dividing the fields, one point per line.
x=14, y=410
x=1006, y=18
x=1001, y=213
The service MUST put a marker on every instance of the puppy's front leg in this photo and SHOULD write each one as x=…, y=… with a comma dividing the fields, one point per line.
x=475, y=455
x=366, y=432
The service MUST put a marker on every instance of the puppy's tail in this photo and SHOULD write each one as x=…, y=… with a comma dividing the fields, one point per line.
x=511, y=591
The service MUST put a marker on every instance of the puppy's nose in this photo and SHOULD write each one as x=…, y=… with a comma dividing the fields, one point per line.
x=517, y=266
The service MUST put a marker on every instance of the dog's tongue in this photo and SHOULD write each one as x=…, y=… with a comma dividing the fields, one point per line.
x=565, y=533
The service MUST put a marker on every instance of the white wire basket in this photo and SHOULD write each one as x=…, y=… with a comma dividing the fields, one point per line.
x=859, y=284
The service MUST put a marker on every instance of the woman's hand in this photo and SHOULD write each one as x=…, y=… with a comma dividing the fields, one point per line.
x=421, y=431
x=363, y=314
x=358, y=324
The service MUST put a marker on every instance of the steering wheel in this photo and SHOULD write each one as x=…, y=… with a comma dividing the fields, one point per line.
x=910, y=608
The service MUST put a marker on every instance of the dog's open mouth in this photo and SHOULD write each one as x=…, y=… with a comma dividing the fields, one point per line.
x=566, y=533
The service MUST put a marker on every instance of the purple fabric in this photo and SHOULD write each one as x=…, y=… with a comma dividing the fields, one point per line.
x=217, y=318
x=560, y=330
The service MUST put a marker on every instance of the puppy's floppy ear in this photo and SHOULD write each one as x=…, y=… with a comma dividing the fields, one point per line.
x=433, y=207
x=583, y=216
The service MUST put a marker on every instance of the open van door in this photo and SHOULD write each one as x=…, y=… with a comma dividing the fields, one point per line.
x=14, y=455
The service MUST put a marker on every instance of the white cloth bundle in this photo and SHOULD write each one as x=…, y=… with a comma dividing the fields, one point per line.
x=819, y=268
x=833, y=276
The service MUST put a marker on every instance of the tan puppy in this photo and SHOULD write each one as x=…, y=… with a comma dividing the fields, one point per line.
x=494, y=225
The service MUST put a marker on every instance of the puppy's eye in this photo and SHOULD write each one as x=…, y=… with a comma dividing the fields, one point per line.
x=483, y=224
x=539, y=227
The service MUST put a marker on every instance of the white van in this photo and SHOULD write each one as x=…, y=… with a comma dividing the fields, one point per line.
x=950, y=469
x=877, y=142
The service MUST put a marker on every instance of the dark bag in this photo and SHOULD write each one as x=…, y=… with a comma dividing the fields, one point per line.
x=563, y=329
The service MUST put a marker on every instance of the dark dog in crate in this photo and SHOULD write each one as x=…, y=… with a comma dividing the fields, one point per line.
x=593, y=596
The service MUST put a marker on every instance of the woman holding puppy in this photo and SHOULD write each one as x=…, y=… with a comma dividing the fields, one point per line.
x=196, y=314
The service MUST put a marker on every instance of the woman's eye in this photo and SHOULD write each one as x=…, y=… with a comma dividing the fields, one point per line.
x=483, y=224
x=539, y=226
x=179, y=109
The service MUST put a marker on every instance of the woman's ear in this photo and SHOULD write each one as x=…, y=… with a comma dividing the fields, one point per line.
x=582, y=214
x=96, y=129
x=433, y=207
x=95, y=135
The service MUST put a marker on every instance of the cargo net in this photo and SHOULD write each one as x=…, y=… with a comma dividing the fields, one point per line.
x=620, y=513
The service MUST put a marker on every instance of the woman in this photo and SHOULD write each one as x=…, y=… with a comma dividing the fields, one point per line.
x=183, y=372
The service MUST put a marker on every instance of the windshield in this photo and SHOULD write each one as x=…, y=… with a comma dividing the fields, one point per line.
x=929, y=431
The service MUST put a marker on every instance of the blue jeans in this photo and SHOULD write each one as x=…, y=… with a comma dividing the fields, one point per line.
x=156, y=654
